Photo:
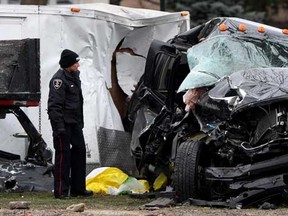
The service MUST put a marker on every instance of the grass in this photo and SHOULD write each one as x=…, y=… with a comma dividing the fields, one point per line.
x=39, y=200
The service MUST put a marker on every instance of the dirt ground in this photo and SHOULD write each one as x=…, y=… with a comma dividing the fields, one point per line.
x=44, y=204
x=167, y=211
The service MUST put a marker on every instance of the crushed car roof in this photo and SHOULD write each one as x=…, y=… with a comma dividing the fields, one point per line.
x=232, y=44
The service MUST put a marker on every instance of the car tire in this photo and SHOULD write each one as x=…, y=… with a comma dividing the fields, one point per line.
x=187, y=180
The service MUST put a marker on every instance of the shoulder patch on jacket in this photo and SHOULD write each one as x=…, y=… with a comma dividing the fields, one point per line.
x=57, y=83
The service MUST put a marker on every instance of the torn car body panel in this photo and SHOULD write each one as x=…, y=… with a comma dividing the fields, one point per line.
x=153, y=92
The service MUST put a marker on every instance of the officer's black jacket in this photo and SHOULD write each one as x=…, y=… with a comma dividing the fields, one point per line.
x=65, y=101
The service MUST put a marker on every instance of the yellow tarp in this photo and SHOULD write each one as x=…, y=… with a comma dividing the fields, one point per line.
x=100, y=179
x=111, y=180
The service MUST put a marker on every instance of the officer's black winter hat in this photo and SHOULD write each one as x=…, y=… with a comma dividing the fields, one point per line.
x=68, y=58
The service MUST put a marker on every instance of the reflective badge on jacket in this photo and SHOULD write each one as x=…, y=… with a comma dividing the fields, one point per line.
x=57, y=83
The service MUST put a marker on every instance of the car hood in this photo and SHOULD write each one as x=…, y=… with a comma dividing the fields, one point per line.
x=253, y=87
x=241, y=91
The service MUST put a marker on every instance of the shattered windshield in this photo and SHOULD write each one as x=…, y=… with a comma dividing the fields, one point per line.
x=222, y=55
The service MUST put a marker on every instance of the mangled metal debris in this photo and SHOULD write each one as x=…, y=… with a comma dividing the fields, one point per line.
x=18, y=176
x=227, y=144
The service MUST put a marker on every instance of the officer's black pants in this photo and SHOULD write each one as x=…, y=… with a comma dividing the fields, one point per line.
x=70, y=161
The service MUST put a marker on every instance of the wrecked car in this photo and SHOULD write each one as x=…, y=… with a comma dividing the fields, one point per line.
x=226, y=143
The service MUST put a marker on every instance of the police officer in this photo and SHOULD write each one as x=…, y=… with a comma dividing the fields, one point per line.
x=65, y=110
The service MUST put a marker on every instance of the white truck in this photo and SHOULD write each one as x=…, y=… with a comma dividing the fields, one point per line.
x=95, y=32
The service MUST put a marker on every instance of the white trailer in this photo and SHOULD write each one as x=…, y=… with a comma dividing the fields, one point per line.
x=93, y=31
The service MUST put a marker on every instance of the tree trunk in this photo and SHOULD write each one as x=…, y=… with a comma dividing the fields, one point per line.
x=34, y=2
x=115, y=2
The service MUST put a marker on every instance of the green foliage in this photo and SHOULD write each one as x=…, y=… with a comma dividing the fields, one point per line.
x=204, y=10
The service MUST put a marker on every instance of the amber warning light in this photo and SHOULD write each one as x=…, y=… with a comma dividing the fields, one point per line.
x=285, y=31
x=75, y=10
x=261, y=29
x=242, y=27
x=184, y=13
x=223, y=27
